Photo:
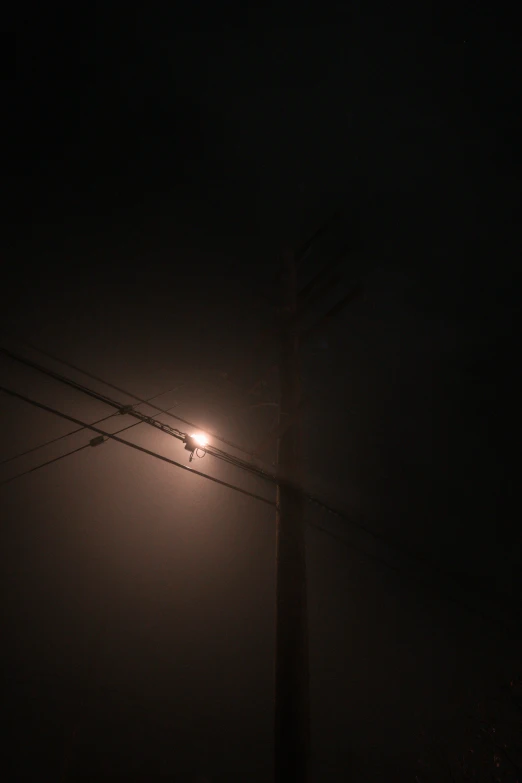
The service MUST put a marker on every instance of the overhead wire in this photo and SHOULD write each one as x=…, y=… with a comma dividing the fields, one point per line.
x=62, y=378
x=130, y=394
x=135, y=446
x=53, y=440
x=304, y=249
x=88, y=374
x=67, y=454
x=350, y=545
x=65, y=435
x=242, y=464
x=451, y=598
x=121, y=408
x=237, y=461
x=422, y=558
x=262, y=474
x=114, y=436
x=43, y=464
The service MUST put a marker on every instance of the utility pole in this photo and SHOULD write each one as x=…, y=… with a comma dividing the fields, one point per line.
x=291, y=741
x=292, y=710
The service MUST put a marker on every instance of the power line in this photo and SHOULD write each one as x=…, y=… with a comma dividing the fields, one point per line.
x=62, y=456
x=90, y=375
x=397, y=570
x=66, y=435
x=43, y=464
x=63, y=379
x=262, y=474
x=351, y=545
x=242, y=464
x=130, y=394
x=423, y=559
x=143, y=417
x=93, y=394
x=134, y=445
x=53, y=440
x=235, y=461
x=115, y=437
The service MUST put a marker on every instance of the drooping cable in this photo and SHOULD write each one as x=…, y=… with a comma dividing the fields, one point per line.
x=115, y=437
x=151, y=453
x=451, y=598
x=420, y=557
x=65, y=435
x=260, y=473
x=43, y=465
x=136, y=414
x=130, y=394
x=62, y=456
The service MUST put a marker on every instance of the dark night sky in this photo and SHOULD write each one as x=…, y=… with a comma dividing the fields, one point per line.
x=156, y=165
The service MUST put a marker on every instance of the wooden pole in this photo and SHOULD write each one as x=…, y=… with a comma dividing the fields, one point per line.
x=291, y=657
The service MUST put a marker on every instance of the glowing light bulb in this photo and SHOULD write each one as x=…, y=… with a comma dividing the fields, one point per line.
x=200, y=439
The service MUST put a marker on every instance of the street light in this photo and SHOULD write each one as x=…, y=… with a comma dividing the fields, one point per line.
x=195, y=442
